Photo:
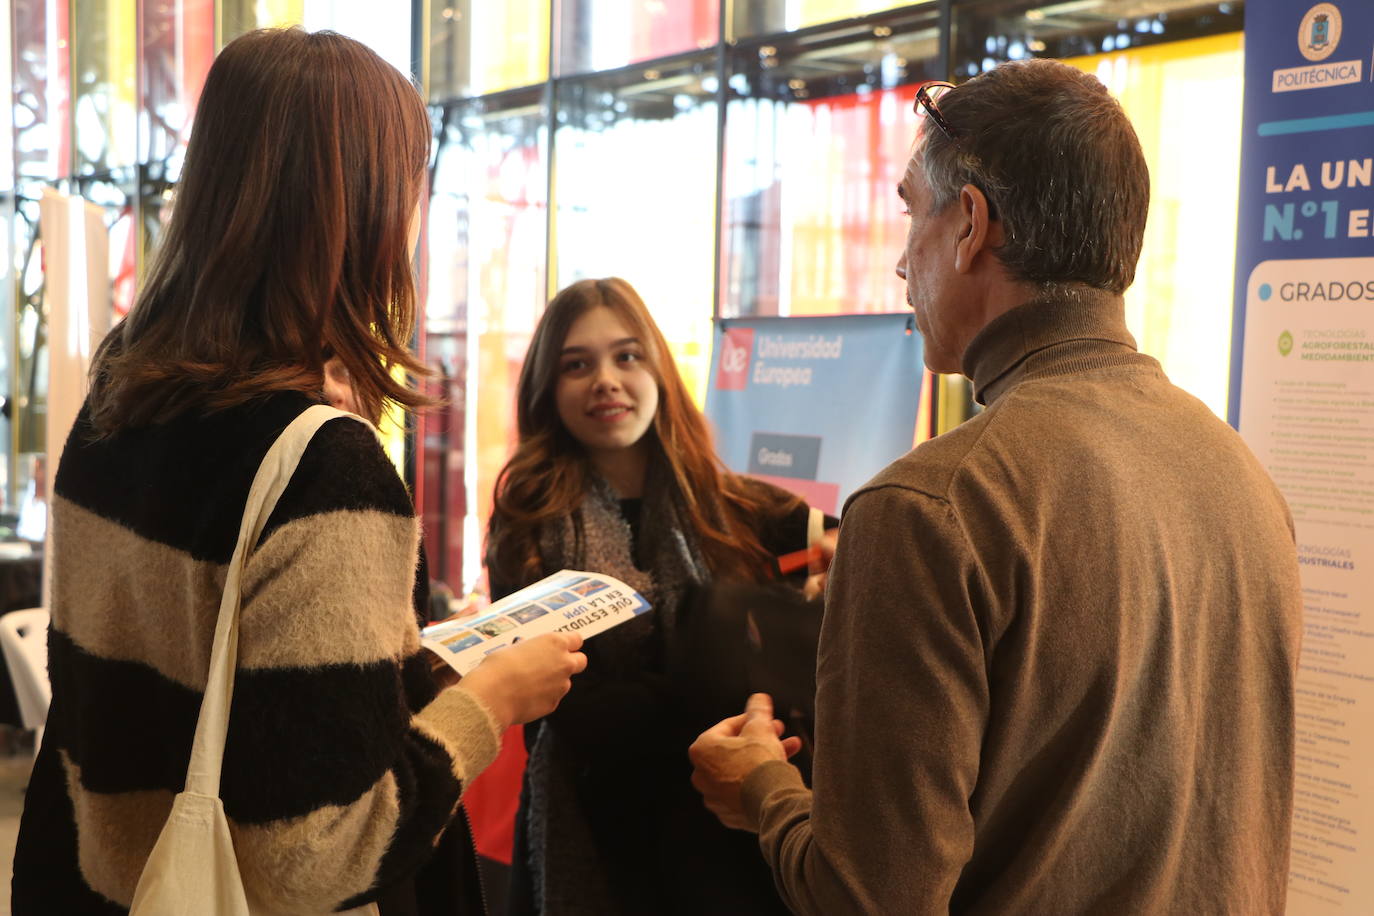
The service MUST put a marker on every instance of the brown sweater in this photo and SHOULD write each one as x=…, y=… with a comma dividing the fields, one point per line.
x=1056, y=671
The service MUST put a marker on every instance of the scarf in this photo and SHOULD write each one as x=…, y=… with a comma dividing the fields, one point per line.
x=661, y=564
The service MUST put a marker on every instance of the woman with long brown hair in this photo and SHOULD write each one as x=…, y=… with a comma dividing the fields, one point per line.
x=290, y=246
x=614, y=472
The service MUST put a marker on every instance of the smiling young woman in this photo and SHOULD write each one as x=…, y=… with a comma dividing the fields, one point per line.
x=614, y=472
x=607, y=397
x=567, y=446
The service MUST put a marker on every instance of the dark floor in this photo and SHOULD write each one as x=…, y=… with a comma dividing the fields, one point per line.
x=16, y=759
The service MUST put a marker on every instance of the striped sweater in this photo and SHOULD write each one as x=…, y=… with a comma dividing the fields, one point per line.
x=343, y=763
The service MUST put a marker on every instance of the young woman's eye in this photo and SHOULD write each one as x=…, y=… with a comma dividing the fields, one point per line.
x=573, y=365
x=629, y=356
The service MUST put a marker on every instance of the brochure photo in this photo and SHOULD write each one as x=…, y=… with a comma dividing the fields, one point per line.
x=587, y=603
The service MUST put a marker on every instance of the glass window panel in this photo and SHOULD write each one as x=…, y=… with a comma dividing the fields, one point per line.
x=103, y=82
x=40, y=103
x=761, y=17
x=42, y=150
x=985, y=32
x=105, y=126
x=477, y=47
x=606, y=34
x=653, y=223
x=818, y=134
x=7, y=167
x=239, y=16
x=388, y=33
x=176, y=48
x=8, y=220
x=1180, y=306
x=486, y=289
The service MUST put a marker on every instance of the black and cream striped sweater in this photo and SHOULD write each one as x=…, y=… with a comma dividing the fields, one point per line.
x=342, y=766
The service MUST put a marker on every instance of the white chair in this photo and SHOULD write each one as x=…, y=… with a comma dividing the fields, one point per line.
x=24, y=641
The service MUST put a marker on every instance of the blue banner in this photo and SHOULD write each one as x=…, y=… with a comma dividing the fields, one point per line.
x=1302, y=395
x=1305, y=189
x=815, y=405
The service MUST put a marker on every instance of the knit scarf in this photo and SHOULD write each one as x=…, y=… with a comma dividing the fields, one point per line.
x=597, y=538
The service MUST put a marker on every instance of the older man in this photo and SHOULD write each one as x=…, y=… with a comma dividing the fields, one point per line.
x=1056, y=670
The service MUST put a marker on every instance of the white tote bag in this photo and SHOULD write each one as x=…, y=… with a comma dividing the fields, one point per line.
x=192, y=868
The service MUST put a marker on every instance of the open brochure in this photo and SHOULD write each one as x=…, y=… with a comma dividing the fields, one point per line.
x=588, y=603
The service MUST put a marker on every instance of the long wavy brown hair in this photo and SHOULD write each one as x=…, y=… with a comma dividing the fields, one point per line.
x=288, y=241
x=546, y=478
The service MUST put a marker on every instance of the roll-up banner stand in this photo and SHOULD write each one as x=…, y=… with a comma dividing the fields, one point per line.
x=1302, y=395
x=815, y=405
x=76, y=279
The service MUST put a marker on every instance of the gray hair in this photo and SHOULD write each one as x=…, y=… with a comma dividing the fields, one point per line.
x=1060, y=165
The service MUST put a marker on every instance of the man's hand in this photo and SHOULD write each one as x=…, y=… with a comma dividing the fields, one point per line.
x=524, y=682
x=725, y=754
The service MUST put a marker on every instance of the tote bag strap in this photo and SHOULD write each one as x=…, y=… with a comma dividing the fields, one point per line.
x=212, y=726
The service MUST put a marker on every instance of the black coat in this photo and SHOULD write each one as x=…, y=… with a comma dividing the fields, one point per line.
x=660, y=850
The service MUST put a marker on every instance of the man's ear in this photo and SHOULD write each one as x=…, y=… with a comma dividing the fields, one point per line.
x=977, y=230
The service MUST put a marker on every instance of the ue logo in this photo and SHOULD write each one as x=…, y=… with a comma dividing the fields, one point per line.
x=736, y=347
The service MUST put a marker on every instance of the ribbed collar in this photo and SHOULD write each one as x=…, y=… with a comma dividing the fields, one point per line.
x=1053, y=334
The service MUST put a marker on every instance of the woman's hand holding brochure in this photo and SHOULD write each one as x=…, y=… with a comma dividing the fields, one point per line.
x=526, y=681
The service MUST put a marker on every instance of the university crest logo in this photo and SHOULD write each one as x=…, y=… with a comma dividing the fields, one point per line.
x=1320, y=32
